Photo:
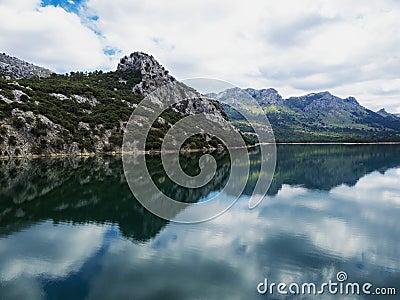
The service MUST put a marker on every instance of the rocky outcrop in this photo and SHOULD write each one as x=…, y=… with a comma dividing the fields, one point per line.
x=322, y=101
x=162, y=89
x=266, y=97
x=85, y=113
x=14, y=68
x=27, y=133
x=382, y=112
x=153, y=74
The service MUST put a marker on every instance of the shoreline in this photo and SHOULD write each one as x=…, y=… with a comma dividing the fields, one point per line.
x=339, y=143
x=116, y=153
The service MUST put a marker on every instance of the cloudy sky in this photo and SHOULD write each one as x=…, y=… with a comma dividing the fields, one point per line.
x=351, y=48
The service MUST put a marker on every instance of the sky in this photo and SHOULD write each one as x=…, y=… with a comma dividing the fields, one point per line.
x=350, y=48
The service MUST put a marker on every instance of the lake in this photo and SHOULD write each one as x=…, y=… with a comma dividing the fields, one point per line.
x=70, y=228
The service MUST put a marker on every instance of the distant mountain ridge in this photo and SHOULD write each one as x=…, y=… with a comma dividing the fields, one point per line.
x=317, y=117
x=15, y=68
x=265, y=96
x=43, y=113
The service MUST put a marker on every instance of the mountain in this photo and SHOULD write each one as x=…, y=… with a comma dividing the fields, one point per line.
x=94, y=189
x=317, y=117
x=43, y=113
x=385, y=114
x=14, y=68
x=83, y=113
x=266, y=97
x=152, y=74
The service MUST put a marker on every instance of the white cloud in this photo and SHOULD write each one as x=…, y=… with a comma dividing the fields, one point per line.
x=347, y=47
x=20, y=5
x=48, y=36
x=66, y=248
x=312, y=46
x=287, y=238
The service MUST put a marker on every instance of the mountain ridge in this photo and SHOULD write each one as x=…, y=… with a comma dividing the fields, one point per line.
x=87, y=113
x=15, y=68
x=317, y=117
x=83, y=113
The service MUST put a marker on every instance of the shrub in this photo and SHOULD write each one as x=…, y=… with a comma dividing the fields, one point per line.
x=58, y=144
x=36, y=150
x=12, y=140
x=3, y=130
x=88, y=144
x=108, y=148
x=24, y=98
x=29, y=120
x=18, y=122
x=116, y=139
x=39, y=129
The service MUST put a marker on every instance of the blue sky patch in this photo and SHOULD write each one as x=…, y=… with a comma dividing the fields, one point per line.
x=68, y=5
x=111, y=51
x=75, y=6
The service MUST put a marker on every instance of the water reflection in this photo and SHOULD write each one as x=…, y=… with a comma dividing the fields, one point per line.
x=79, y=233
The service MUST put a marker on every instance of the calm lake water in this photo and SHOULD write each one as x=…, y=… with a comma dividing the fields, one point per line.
x=71, y=229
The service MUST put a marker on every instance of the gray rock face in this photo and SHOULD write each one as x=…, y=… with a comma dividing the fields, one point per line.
x=382, y=112
x=266, y=97
x=153, y=74
x=14, y=68
x=322, y=101
x=231, y=93
x=314, y=101
x=18, y=134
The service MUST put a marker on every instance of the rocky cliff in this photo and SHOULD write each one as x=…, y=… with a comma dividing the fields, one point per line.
x=265, y=96
x=14, y=68
x=153, y=74
x=82, y=113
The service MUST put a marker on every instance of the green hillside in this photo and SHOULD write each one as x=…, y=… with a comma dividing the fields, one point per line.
x=316, y=117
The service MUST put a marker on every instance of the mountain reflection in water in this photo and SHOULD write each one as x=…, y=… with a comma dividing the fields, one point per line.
x=70, y=228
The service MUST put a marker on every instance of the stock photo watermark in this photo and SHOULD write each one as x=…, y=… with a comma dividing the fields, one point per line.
x=339, y=286
x=203, y=115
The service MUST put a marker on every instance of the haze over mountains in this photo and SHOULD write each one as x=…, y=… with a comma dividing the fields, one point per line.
x=44, y=113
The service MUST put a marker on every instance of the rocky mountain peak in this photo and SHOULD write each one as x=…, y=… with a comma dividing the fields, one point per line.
x=352, y=100
x=382, y=110
x=265, y=97
x=152, y=72
x=319, y=95
x=323, y=101
x=15, y=68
